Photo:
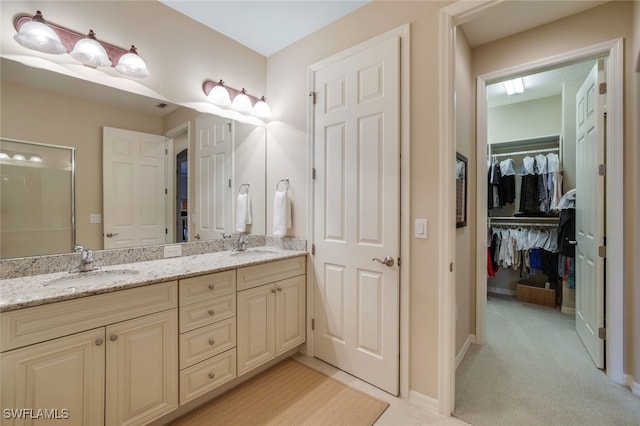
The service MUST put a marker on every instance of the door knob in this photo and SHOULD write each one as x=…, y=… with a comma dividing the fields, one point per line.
x=388, y=260
x=111, y=234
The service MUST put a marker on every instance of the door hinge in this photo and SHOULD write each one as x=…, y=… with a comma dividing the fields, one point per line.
x=602, y=333
x=399, y=262
x=166, y=231
x=166, y=191
x=313, y=324
x=313, y=96
x=313, y=173
x=229, y=124
x=602, y=251
x=451, y=267
x=603, y=88
x=313, y=249
x=229, y=183
x=602, y=169
x=166, y=151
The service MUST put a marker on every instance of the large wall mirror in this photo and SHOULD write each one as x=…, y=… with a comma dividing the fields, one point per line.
x=53, y=109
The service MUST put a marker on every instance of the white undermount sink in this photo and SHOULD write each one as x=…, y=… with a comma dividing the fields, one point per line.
x=91, y=278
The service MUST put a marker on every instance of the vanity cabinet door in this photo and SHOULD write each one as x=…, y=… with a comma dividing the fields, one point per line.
x=64, y=376
x=290, y=314
x=142, y=368
x=256, y=327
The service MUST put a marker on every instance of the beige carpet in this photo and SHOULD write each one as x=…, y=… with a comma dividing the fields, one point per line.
x=289, y=393
x=535, y=371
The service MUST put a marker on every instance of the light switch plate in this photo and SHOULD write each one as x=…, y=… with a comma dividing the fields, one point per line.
x=95, y=218
x=173, y=251
x=421, y=228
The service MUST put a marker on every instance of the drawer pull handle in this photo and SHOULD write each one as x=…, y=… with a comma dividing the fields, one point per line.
x=212, y=287
x=113, y=337
x=212, y=342
x=212, y=312
x=99, y=341
x=211, y=375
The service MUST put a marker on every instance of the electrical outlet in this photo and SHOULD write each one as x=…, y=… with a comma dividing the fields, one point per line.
x=95, y=218
x=173, y=251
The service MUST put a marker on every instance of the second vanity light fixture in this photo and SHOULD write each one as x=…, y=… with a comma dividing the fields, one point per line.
x=221, y=95
x=36, y=34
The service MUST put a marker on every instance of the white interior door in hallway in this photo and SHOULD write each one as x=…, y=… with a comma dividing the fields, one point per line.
x=213, y=171
x=589, y=269
x=134, y=172
x=357, y=213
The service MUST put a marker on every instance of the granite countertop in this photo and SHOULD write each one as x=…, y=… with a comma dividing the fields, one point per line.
x=17, y=293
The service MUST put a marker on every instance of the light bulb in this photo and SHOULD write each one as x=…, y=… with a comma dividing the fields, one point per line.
x=241, y=102
x=219, y=95
x=37, y=35
x=131, y=64
x=261, y=108
x=90, y=52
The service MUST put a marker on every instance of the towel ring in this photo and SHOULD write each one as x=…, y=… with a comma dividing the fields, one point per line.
x=285, y=181
x=246, y=188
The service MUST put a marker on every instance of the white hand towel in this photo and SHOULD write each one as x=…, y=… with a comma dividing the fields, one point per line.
x=281, y=213
x=243, y=212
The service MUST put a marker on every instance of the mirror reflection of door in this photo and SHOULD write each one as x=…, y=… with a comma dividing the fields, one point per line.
x=182, y=196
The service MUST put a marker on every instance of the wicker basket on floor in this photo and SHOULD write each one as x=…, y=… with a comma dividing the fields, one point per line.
x=537, y=295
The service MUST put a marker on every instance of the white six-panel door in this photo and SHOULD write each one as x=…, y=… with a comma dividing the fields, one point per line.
x=356, y=214
x=133, y=188
x=589, y=268
x=213, y=170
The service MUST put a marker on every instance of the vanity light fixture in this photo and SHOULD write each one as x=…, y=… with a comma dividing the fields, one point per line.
x=514, y=87
x=4, y=156
x=241, y=102
x=261, y=108
x=35, y=34
x=219, y=95
x=35, y=159
x=19, y=157
x=91, y=53
x=131, y=64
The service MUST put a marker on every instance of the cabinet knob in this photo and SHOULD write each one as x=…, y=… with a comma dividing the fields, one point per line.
x=113, y=337
x=99, y=341
x=212, y=342
x=279, y=289
x=212, y=312
x=273, y=291
x=212, y=287
x=211, y=375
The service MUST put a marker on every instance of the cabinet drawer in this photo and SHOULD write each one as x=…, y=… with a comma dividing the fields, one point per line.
x=207, y=375
x=207, y=286
x=207, y=312
x=253, y=276
x=39, y=323
x=205, y=342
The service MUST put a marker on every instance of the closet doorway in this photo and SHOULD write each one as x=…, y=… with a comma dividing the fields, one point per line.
x=532, y=179
x=613, y=148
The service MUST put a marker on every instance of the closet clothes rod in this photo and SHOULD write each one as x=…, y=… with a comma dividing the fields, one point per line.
x=534, y=151
x=524, y=224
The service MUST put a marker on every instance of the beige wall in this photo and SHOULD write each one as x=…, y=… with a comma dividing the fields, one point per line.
x=525, y=120
x=466, y=236
x=287, y=82
x=609, y=21
x=633, y=332
x=42, y=116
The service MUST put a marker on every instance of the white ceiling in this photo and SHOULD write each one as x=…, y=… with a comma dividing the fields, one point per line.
x=265, y=26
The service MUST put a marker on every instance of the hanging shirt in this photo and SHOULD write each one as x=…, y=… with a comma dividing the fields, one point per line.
x=507, y=184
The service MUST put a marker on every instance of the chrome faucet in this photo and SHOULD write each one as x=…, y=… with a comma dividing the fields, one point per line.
x=243, y=242
x=86, y=260
x=225, y=236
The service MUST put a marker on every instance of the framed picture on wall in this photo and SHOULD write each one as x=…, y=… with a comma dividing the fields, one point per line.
x=461, y=190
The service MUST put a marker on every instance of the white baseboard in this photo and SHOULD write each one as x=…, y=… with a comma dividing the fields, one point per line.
x=463, y=351
x=633, y=385
x=424, y=401
x=500, y=290
x=568, y=311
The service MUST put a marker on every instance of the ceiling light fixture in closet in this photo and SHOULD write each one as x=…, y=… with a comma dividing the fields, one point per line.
x=514, y=87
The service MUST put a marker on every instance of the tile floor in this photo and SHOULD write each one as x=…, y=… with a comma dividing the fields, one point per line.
x=401, y=412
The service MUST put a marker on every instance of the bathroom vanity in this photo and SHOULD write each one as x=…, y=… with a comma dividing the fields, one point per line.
x=132, y=345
